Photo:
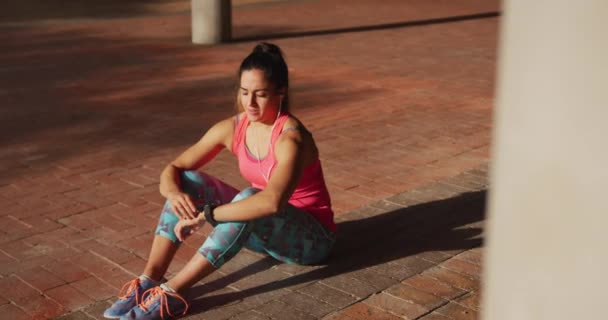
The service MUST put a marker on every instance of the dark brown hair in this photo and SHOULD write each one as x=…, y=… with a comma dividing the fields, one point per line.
x=268, y=58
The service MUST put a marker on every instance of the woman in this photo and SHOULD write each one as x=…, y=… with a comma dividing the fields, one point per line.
x=286, y=213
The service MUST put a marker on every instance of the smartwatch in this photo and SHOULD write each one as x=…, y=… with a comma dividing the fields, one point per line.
x=208, y=212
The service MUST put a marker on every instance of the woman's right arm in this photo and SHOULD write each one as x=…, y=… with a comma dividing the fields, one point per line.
x=213, y=141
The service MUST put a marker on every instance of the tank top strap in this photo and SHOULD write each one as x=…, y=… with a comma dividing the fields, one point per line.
x=239, y=131
x=278, y=128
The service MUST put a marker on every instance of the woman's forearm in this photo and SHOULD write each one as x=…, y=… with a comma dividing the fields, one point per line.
x=169, y=180
x=259, y=205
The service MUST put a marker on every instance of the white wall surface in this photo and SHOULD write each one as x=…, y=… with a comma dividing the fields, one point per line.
x=547, y=248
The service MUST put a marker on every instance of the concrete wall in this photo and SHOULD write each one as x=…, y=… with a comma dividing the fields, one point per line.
x=547, y=249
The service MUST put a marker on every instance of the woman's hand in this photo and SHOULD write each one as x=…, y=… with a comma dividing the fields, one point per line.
x=182, y=205
x=185, y=228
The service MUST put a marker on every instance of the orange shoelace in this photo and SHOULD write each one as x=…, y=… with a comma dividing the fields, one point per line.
x=128, y=288
x=151, y=295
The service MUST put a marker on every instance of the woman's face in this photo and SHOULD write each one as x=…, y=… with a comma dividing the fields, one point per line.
x=258, y=97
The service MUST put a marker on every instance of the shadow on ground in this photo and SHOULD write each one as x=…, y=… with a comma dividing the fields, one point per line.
x=266, y=34
x=34, y=10
x=63, y=102
x=441, y=225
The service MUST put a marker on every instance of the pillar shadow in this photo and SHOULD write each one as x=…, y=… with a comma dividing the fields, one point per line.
x=433, y=226
x=404, y=24
x=35, y=10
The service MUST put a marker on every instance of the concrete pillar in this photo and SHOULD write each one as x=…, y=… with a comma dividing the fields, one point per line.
x=211, y=21
x=547, y=246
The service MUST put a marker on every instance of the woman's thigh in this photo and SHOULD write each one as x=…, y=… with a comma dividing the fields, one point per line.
x=204, y=188
x=292, y=236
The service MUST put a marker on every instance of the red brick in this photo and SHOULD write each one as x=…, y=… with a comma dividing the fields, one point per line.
x=473, y=256
x=69, y=297
x=9, y=311
x=114, y=186
x=10, y=191
x=6, y=259
x=40, y=279
x=457, y=312
x=40, y=225
x=433, y=286
x=413, y=295
x=19, y=211
x=138, y=180
x=147, y=220
x=463, y=267
x=14, y=229
x=329, y=295
x=375, y=277
x=64, y=253
x=135, y=265
x=434, y=256
x=279, y=310
x=88, y=197
x=140, y=245
x=72, y=208
x=14, y=289
x=40, y=307
x=352, y=286
x=20, y=250
x=113, y=223
x=116, y=278
x=92, y=263
x=112, y=253
x=78, y=180
x=130, y=199
x=338, y=316
x=396, y=305
x=81, y=222
x=470, y=300
x=67, y=270
x=452, y=278
x=21, y=266
x=66, y=235
x=154, y=197
x=362, y=311
x=111, y=237
x=142, y=209
x=435, y=316
x=310, y=305
x=94, y=288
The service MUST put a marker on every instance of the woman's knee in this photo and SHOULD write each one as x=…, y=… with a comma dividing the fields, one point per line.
x=245, y=193
x=166, y=223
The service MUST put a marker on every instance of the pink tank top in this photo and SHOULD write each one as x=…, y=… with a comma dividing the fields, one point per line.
x=310, y=195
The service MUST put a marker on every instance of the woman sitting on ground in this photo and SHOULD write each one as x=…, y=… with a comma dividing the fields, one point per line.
x=286, y=213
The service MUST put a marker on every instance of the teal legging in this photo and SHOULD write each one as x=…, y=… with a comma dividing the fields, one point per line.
x=291, y=236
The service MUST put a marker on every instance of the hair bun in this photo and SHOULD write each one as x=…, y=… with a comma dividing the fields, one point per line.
x=265, y=47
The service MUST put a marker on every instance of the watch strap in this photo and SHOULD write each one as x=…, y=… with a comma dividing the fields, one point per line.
x=208, y=211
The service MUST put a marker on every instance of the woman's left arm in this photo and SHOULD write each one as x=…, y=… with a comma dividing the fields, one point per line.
x=290, y=152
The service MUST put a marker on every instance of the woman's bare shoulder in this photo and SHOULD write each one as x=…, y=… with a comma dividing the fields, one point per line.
x=295, y=129
x=293, y=123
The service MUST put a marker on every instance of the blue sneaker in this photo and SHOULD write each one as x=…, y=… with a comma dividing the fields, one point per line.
x=158, y=304
x=129, y=296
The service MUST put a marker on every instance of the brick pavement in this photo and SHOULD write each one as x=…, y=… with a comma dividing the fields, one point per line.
x=95, y=104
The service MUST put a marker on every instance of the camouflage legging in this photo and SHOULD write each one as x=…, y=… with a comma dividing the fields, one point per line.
x=291, y=236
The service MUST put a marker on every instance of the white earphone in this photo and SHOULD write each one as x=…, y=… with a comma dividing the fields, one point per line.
x=257, y=151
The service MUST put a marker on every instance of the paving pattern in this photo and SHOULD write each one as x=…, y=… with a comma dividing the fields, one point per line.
x=97, y=99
